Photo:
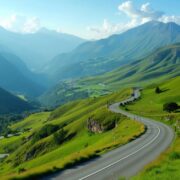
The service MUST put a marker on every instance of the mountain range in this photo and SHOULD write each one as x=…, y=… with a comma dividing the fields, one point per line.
x=98, y=57
x=92, y=68
x=17, y=78
x=36, y=49
x=163, y=63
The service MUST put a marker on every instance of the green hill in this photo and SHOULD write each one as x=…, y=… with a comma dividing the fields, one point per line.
x=10, y=104
x=161, y=64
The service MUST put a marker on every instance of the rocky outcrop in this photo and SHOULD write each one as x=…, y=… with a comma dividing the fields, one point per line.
x=94, y=126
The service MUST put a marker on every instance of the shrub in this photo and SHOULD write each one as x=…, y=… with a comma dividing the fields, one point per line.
x=45, y=131
x=174, y=155
x=21, y=170
x=59, y=136
x=170, y=107
x=158, y=90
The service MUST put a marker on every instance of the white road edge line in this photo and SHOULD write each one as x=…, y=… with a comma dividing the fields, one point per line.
x=85, y=177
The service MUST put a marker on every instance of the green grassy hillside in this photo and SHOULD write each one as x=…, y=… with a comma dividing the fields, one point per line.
x=167, y=166
x=162, y=64
x=51, y=141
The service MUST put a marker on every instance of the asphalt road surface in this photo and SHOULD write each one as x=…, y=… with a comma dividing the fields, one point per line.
x=128, y=159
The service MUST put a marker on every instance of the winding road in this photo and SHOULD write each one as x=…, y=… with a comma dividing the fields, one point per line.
x=126, y=160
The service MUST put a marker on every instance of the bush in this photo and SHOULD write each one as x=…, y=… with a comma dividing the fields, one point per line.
x=174, y=155
x=21, y=170
x=45, y=131
x=170, y=107
x=158, y=90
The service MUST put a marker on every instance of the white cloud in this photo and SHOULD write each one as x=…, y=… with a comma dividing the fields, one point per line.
x=145, y=11
x=172, y=18
x=21, y=23
x=105, y=30
x=137, y=16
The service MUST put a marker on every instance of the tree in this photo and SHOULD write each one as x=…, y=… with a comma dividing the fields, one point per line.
x=157, y=90
x=170, y=107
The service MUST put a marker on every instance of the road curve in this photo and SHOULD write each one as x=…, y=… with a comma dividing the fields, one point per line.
x=126, y=160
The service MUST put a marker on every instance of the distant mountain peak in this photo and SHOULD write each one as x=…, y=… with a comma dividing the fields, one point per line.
x=2, y=28
x=46, y=30
x=159, y=23
x=43, y=29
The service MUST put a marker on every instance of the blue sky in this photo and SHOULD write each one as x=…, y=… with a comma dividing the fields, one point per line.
x=85, y=18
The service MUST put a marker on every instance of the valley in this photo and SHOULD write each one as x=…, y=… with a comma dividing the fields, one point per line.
x=84, y=100
x=159, y=65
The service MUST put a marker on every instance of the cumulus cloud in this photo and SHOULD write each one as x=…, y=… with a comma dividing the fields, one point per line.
x=104, y=30
x=137, y=16
x=21, y=23
x=145, y=11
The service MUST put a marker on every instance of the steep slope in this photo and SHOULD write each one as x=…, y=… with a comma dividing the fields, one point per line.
x=161, y=64
x=97, y=57
x=38, y=48
x=16, y=77
x=10, y=104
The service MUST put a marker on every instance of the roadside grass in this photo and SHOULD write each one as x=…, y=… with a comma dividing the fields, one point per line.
x=81, y=144
x=167, y=165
